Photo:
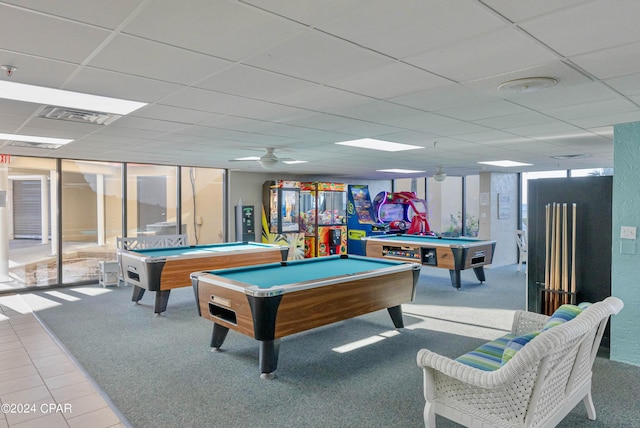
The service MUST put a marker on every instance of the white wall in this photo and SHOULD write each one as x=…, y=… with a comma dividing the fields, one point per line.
x=492, y=186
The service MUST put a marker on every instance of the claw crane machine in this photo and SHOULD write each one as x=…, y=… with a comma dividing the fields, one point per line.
x=323, y=218
x=281, y=216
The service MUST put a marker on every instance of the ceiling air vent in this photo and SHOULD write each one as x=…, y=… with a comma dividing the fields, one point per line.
x=76, y=115
x=33, y=145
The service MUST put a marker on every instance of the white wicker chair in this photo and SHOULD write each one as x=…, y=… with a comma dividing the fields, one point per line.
x=538, y=387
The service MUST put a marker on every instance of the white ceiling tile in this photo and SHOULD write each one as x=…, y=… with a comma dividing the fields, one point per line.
x=64, y=40
x=592, y=109
x=519, y=11
x=390, y=80
x=627, y=85
x=411, y=27
x=513, y=51
x=513, y=120
x=140, y=57
x=317, y=57
x=613, y=62
x=580, y=29
x=377, y=111
x=309, y=13
x=443, y=97
x=222, y=28
x=118, y=85
x=174, y=114
x=84, y=11
x=252, y=82
x=486, y=110
x=322, y=99
x=556, y=97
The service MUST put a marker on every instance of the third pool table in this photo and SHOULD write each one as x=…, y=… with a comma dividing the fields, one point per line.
x=455, y=254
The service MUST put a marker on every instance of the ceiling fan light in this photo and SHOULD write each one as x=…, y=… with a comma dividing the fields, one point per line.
x=268, y=163
x=440, y=175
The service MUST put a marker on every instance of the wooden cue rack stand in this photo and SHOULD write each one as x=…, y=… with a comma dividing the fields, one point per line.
x=559, y=285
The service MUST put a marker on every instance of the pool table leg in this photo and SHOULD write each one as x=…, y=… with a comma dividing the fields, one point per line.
x=269, y=350
x=218, y=335
x=162, y=297
x=479, y=271
x=138, y=292
x=396, y=316
x=455, y=278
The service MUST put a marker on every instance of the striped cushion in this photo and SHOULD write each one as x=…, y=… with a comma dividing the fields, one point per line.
x=563, y=314
x=516, y=344
x=487, y=357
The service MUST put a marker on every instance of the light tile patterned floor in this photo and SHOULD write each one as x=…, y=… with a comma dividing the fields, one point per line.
x=40, y=385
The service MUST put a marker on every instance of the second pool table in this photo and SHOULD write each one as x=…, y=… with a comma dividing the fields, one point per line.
x=163, y=269
x=455, y=254
x=270, y=301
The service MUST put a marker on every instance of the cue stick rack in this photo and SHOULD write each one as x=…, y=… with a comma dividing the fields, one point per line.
x=560, y=256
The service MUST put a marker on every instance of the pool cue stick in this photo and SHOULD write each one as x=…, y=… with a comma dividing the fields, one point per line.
x=552, y=272
x=547, y=248
x=556, y=272
x=573, y=253
x=565, y=255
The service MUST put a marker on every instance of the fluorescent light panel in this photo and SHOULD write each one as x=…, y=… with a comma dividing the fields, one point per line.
x=505, y=163
x=59, y=97
x=248, y=158
x=293, y=162
x=33, y=139
x=400, y=171
x=373, y=144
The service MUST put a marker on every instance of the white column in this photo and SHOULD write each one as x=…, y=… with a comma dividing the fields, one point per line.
x=53, y=185
x=4, y=224
x=44, y=209
x=101, y=223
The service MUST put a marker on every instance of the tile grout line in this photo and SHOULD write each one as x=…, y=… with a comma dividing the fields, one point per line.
x=74, y=361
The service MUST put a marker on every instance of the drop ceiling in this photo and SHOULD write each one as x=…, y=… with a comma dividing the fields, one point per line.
x=225, y=79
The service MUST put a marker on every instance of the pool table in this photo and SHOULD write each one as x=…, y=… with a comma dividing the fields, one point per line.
x=163, y=269
x=455, y=254
x=271, y=301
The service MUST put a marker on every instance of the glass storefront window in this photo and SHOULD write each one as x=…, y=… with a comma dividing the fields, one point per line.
x=445, y=205
x=472, y=206
x=151, y=200
x=91, y=217
x=203, y=219
x=28, y=223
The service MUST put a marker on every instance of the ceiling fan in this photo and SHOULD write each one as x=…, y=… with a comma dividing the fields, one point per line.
x=268, y=160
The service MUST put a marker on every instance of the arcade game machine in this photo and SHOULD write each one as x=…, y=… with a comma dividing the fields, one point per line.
x=361, y=219
x=281, y=216
x=323, y=218
x=404, y=212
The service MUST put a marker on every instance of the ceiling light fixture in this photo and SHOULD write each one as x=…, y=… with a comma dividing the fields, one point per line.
x=373, y=144
x=505, y=163
x=440, y=175
x=34, y=139
x=527, y=85
x=59, y=97
x=400, y=171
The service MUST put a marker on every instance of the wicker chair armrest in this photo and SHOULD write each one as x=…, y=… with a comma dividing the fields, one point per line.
x=472, y=376
x=526, y=322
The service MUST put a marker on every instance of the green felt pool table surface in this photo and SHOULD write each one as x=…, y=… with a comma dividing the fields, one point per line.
x=298, y=271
